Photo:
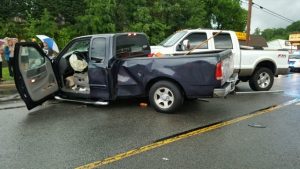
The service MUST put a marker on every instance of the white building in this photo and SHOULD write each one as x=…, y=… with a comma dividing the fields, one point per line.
x=281, y=44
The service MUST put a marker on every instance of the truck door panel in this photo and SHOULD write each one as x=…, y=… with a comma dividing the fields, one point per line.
x=99, y=73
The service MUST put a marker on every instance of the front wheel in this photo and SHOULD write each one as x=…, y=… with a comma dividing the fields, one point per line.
x=165, y=97
x=261, y=80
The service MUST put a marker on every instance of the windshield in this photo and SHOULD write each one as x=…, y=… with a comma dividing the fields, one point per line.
x=294, y=56
x=171, y=40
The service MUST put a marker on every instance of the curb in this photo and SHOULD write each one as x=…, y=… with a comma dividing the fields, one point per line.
x=13, y=97
x=7, y=86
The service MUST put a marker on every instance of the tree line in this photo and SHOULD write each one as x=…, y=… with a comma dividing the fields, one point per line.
x=64, y=20
x=279, y=33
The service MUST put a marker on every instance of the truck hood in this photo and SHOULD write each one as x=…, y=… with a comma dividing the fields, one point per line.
x=160, y=49
x=156, y=48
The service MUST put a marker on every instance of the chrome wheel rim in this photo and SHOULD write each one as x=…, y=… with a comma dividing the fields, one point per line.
x=164, y=98
x=264, y=80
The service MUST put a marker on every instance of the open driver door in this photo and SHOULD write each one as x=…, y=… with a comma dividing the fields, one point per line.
x=33, y=73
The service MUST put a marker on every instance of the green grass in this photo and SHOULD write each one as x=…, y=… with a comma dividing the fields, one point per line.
x=5, y=74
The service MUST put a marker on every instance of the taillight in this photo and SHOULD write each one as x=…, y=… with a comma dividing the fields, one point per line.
x=219, y=71
x=150, y=55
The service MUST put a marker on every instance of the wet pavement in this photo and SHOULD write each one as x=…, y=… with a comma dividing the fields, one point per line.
x=67, y=135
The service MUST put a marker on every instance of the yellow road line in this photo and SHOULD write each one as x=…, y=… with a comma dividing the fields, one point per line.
x=180, y=137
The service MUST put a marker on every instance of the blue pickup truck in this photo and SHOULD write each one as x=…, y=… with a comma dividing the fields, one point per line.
x=98, y=69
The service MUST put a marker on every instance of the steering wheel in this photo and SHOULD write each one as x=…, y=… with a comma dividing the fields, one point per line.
x=80, y=55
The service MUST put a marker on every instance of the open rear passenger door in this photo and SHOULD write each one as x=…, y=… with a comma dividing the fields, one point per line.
x=33, y=73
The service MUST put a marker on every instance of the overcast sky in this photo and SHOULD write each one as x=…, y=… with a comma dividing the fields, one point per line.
x=288, y=8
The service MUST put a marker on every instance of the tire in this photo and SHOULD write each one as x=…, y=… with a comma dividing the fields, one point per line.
x=261, y=74
x=165, y=97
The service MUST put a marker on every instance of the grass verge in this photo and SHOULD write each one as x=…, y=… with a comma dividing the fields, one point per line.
x=5, y=74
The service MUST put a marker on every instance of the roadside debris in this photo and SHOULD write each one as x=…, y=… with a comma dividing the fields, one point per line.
x=143, y=105
x=165, y=159
x=203, y=100
x=255, y=125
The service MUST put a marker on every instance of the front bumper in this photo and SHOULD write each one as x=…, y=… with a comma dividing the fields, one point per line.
x=294, y=64
x=227, y=88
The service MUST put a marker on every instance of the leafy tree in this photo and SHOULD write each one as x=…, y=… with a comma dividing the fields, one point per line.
x=157, y=18
x=64, y=12
x=10, y=9
x=11, y=29
x=45, y=25
x=226, y=14
x=98, y=17
x=271, y=34
x=257, y=31
x=64, y=35
x=294, y=27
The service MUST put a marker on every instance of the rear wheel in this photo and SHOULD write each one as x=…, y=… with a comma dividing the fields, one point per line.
x=165, y=97
x=262, y=79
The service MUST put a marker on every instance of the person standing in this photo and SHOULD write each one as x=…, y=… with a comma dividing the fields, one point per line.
x=48, y=51
x=9, y=54
x=1, y=54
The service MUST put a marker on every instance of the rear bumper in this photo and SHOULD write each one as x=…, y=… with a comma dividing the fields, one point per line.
x=227, y=88
x=224, y=91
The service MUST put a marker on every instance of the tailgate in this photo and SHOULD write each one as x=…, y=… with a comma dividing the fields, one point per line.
x=227, y=65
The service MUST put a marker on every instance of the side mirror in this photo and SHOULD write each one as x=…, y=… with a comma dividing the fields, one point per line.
x=185, y=45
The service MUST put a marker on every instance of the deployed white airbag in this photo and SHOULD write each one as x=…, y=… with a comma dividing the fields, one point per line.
x=77, y=64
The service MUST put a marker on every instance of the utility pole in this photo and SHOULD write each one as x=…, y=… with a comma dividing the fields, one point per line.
x=249, y=21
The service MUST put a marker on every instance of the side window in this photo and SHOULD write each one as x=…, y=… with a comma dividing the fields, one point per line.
x=196, y=39
x=80, y=46
x=30, y=58
x=98, y=48
x=223, y=41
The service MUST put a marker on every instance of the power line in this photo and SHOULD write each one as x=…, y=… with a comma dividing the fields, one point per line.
x=274, y=13
x=269, y=11
x=285, y=19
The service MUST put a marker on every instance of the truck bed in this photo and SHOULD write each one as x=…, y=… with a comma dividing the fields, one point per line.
x=194, y=73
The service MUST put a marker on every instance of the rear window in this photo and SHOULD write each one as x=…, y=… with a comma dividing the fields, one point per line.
x=223, y=41
x=132, y=45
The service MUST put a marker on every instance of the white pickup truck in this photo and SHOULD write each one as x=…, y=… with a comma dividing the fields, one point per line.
x=256, y=66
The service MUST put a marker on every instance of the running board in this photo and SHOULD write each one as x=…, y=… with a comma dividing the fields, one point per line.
x=98, y=103
x=258, y=92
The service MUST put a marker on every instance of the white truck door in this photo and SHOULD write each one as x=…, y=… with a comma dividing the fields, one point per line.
x=196, y=40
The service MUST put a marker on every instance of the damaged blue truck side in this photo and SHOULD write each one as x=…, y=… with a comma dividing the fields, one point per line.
x=119, y=66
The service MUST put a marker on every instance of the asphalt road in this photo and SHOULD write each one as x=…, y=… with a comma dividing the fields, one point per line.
x=68, y=135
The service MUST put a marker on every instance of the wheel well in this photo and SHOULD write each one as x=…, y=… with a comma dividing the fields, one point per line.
x=153, y=81
x=267, y=64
